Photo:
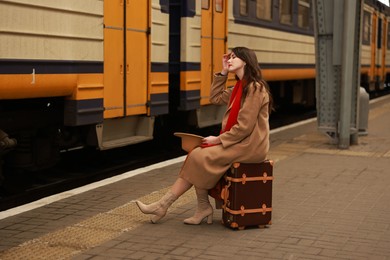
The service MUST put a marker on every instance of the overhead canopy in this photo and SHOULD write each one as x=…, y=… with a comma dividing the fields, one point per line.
x=386, y=2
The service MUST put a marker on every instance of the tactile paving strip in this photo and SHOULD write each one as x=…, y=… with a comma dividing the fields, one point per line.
x=36, y=249
x=70, y=241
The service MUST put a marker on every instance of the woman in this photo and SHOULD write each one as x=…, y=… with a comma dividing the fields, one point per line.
x=244, y=136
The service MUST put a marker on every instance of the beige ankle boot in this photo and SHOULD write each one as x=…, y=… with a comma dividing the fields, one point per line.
x=203, y=210
x=159, y=208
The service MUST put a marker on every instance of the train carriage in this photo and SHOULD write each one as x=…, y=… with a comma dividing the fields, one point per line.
x=375, y=50
x=51, y=74
x=76, y=73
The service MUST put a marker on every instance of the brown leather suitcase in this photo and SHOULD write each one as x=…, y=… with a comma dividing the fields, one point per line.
x=247, y=195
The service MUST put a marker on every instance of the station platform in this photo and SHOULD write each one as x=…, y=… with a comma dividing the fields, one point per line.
x=327, y=204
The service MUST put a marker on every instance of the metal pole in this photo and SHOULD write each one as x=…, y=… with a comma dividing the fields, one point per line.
x=347, y=79
x=328, y=75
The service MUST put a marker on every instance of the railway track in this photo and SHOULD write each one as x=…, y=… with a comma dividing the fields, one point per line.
x=78, y=168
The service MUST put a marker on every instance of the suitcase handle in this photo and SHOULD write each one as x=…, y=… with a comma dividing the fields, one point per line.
x=225, y=194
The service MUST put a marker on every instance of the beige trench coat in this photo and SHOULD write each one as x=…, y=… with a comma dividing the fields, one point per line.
x=246, y=142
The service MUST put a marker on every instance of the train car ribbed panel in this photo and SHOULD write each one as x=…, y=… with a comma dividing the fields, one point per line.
x=365, y=55
x=89, y=7
x=158, y=75
x=273, y=47
x=190, y=59
x=47, y=30
x=159, y=34
x=190, y=38
x=45, y=47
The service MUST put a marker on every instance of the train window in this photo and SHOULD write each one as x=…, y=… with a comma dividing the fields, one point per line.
x=282, y=15
x=366, y=28
x=379, y=35
x=264, y=9
x=285, y=11
x=219, y=6
x=304, y=14
x=205, y=4
x=244, y=7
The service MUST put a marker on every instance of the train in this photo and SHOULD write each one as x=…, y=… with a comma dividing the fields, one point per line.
x=375, y=48
x=108, y=74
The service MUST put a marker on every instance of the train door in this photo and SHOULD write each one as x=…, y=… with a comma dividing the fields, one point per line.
x=137, y=23
x=382, y=51
x=373, y=52
x=113, y=59
x=378, y=52
x=213, y=43
x=126, y=67
x=125, y=57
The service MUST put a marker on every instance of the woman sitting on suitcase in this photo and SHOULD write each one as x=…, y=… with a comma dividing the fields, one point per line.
x=244, y=136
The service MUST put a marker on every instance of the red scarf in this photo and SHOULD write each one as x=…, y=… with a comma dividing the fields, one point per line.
x=236, y=99
x=232, y=119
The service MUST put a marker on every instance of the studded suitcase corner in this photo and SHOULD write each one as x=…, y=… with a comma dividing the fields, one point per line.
x=247, y=195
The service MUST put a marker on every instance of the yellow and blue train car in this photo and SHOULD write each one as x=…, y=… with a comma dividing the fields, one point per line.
x=76, y=73
x=375, y=48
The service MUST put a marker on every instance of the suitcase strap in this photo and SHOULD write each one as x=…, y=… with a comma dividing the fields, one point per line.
x=244, y=179
x=242, y=211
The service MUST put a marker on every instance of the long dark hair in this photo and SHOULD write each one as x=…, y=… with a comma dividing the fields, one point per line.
x=252, y=72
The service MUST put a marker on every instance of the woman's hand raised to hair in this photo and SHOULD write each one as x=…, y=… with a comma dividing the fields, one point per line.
x=225, y=65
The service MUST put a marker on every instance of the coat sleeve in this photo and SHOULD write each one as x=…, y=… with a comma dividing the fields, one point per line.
x=219, y=95
x=248, y=116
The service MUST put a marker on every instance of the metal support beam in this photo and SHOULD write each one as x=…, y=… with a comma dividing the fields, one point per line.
x=337, y=32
